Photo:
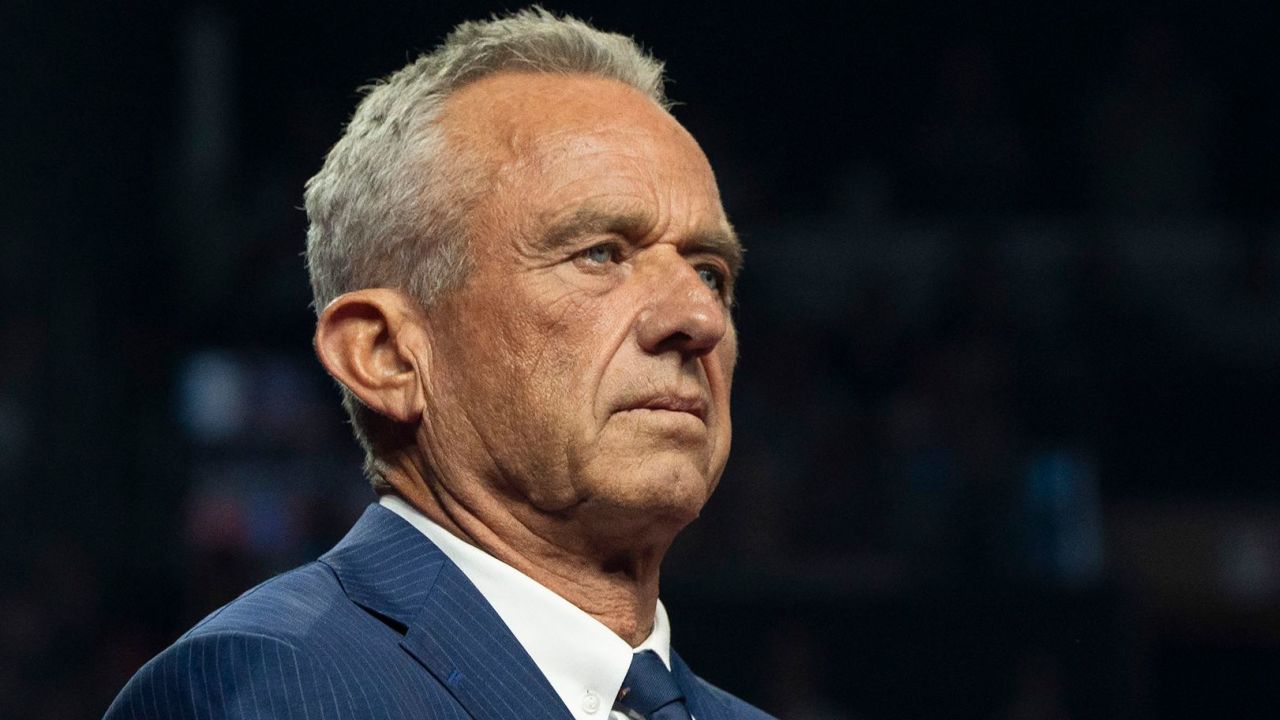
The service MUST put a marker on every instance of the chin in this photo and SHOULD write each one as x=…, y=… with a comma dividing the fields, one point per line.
x=659, y=486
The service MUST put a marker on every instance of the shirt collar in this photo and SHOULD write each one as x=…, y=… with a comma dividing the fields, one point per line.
x=584, y=661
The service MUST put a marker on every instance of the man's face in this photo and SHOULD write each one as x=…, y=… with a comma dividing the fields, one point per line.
x=583, y=368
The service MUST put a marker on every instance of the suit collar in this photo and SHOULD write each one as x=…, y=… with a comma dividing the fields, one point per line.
x=386, y=566
x=464, y=643
x=390, y=568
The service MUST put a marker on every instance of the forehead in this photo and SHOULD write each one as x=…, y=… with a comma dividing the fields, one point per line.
x=560, y=139
x=512, y=113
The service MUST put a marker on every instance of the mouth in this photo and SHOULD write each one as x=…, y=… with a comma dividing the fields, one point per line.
x=688, y=404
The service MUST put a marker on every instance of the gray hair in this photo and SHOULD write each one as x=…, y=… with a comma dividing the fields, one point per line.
x=387, y=208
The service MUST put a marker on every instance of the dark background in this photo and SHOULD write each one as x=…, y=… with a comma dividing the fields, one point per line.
x=1006, y=411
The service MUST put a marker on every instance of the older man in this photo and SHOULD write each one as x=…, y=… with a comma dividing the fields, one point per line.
x=524, y=275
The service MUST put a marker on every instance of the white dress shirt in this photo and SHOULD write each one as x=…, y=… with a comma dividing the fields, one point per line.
x=584, y=661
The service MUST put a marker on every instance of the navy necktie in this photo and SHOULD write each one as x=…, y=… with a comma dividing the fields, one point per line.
x=651, y=691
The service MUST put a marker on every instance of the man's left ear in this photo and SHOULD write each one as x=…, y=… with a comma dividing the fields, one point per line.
x=371, y=341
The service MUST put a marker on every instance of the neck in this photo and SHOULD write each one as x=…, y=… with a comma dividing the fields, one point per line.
x=613, y=578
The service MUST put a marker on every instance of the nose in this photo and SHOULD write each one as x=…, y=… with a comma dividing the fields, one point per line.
x=681, y=313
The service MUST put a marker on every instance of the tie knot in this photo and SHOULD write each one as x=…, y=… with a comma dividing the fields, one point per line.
x=649, y=685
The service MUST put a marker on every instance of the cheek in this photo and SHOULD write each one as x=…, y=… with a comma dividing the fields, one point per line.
x=551, y=353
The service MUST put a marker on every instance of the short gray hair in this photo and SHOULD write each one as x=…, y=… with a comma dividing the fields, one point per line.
x=387, y=208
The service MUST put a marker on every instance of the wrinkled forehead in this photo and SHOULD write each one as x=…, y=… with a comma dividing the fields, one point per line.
x=549, y=143
x=523, y=118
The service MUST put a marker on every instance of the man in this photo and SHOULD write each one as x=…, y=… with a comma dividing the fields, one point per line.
x=524, y=275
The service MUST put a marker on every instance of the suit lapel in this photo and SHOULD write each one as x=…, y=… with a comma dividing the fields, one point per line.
x=464, y=643
x=703, y=705
x=389, y=567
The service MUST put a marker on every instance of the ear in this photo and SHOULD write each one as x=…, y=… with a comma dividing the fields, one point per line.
x=371, y=341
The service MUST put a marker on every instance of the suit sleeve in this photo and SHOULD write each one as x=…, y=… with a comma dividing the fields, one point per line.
x=236, y=676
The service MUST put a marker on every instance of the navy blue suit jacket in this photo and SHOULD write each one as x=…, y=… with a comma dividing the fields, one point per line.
x=382, y=626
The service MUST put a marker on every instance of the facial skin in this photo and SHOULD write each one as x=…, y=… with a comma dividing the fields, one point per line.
x=584, y=367
x=570, y=399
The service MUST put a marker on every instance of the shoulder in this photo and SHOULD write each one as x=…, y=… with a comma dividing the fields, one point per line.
x=738, y=709
x=291, y=607
x=227, y=673
x=292, y=646
x=711, y=698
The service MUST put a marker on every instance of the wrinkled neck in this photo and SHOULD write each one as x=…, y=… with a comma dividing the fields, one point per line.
x=613, y=578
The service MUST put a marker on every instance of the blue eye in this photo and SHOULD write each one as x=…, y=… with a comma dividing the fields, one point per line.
x=600, y=254
x=712, y=277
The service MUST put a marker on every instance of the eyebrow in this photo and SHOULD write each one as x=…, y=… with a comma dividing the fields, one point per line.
x=595, y=221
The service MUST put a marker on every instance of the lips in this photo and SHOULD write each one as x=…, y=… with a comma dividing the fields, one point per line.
x=691, y=404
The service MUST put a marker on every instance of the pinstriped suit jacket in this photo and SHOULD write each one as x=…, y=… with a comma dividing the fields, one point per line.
x=382, y=626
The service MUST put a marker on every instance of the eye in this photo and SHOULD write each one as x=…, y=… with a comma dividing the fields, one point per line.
x=712, y=276
x=598, y=254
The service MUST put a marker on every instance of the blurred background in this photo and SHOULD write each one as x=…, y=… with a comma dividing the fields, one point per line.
x=1006, y=413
